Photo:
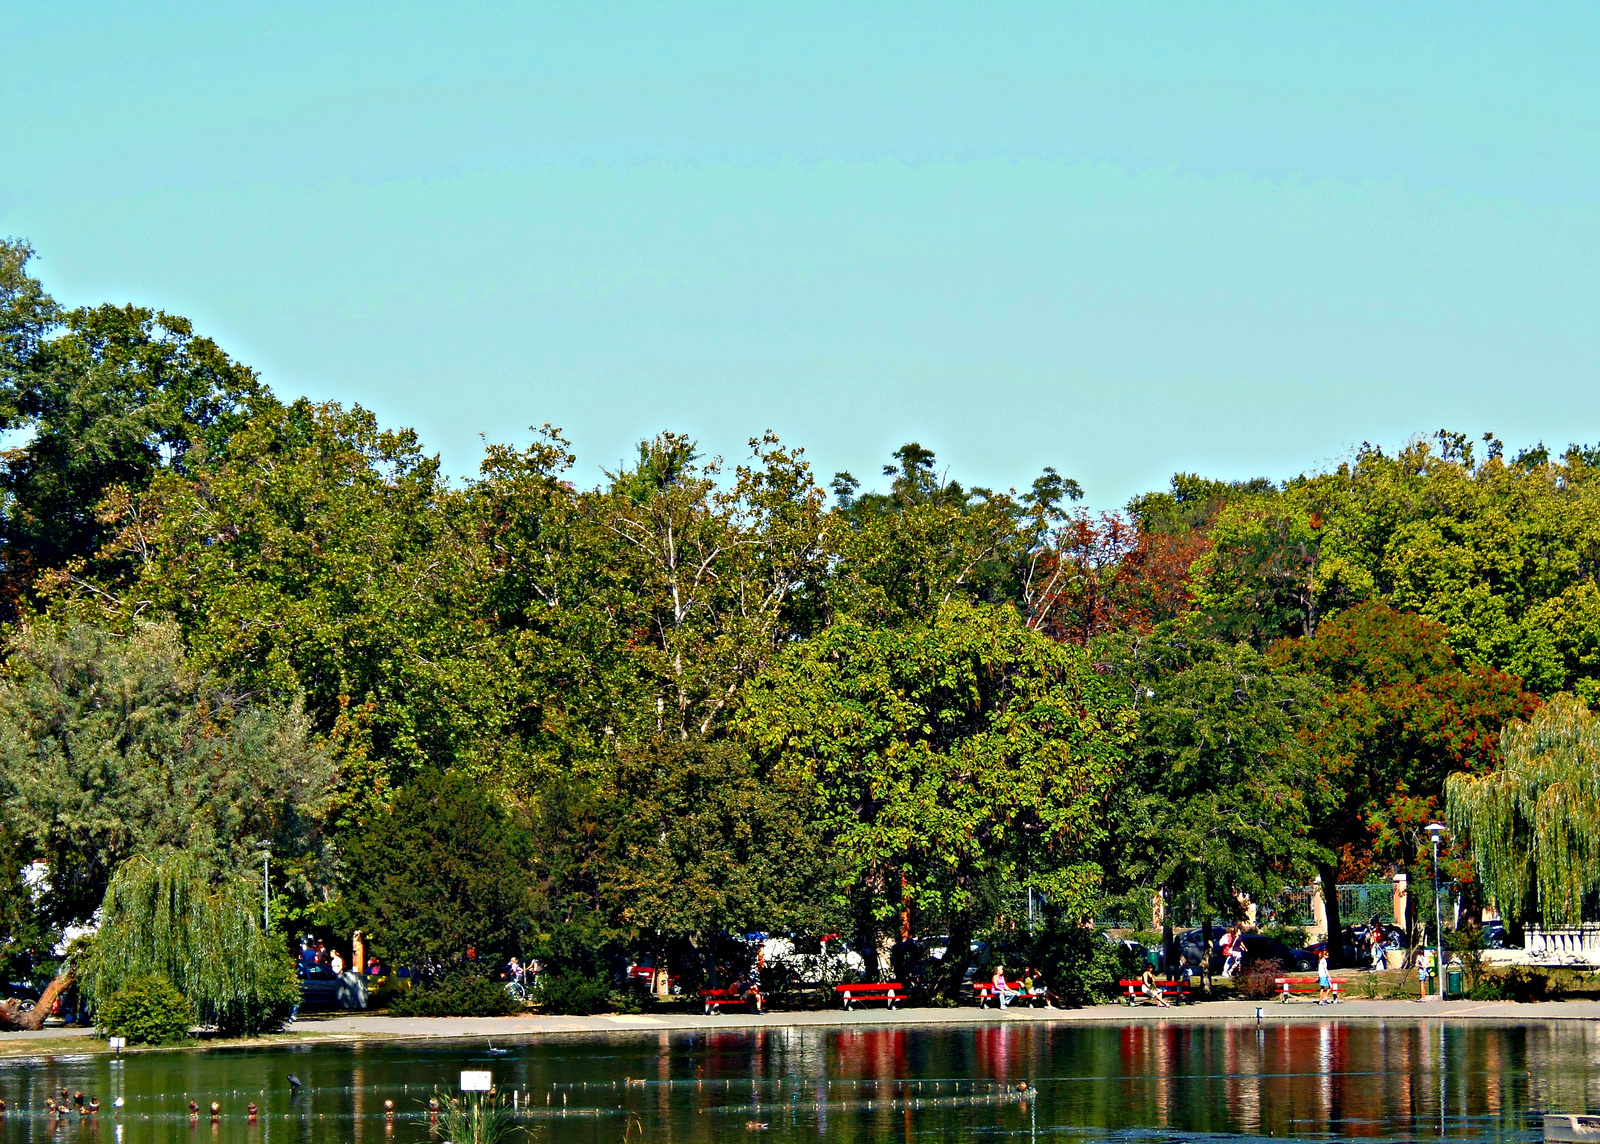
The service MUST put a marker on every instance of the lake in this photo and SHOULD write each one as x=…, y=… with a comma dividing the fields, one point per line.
x=1307, y=1079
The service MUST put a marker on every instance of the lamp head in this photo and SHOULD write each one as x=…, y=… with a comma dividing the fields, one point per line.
x=1436, y=832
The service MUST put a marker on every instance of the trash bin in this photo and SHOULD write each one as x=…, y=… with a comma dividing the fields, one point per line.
x=1452, y=979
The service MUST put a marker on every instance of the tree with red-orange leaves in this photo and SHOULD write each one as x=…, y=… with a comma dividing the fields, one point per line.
x=1104, y=573
x=1404, y=713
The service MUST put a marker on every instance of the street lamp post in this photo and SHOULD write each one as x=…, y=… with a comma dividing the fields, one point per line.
x=1435, y=833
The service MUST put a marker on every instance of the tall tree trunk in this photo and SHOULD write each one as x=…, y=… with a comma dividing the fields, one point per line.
x=953, y=967
x=1330, y=899
x=11, y=1015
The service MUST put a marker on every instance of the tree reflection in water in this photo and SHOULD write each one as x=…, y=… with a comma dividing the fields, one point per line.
x=1286, y=1079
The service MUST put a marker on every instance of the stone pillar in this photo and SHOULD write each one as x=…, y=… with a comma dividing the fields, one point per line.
x=358, y=952
x=1402, y=903
x=1158, y=909
x=1319, y=912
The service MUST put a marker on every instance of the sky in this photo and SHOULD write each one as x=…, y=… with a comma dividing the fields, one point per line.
x=1122, y=239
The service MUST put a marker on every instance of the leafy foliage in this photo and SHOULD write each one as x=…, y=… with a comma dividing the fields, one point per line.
x=1402, y=715
x=112, y=744
x=461, y=992
x=439, y=872
x=109, y=396
x=709, y=841
x=164, y=918
x=574, y=993
x=1217, y=799
x=147, y=1010
x=1535, y=822
x=948, y=755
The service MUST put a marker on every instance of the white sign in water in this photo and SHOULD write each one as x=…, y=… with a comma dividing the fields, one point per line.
x=476, y=1081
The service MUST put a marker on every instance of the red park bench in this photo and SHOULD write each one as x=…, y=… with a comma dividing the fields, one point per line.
x=715, y=999
x=1291, y=986
x=984, y=991
x=886, y=991
x=1133, y=990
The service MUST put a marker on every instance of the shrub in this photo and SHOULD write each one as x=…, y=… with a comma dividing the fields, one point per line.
x=574, y=994
x=147, y=1010
x=629, y=1000
x=1259, y=981
x=459, y=994
x=1519, y=983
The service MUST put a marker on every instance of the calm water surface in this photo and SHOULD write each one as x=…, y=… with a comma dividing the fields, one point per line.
x=1308, y=1080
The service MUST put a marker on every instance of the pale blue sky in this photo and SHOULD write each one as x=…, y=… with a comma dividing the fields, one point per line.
x=1121, y=239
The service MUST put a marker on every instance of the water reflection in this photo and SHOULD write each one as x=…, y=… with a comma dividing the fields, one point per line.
x=1309, y=1079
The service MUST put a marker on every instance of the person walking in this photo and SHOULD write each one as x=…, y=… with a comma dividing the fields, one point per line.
x=1324, y=982
x=1424, y=973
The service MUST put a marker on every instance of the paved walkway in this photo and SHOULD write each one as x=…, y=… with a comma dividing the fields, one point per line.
x=359, y=1025
x=364, y=1026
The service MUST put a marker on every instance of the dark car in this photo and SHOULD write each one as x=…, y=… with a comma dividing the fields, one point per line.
x=1259, y=948
x=319, y=987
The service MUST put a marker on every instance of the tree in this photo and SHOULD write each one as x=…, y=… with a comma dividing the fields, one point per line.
x=723, y=578
x=1402, y=715
x=906, y=553
x=946, y=756
x=710, y=842
x=113, y=744
x=166, y=915
x=1217, y=797
x=444, y=870
x=1534, y=822
x=108, y=396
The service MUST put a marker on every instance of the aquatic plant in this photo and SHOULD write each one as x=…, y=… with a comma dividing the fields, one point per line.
x=473, y=1118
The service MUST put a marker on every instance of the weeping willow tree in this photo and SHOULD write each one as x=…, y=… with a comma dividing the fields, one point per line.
x=164, y=917
x=1534, y=823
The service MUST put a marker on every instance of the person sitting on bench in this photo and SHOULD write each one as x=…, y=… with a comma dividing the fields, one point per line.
x=1151, y=989
x=1003, y=992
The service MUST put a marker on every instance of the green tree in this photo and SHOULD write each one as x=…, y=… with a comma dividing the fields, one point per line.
x=166, y=915
x=114, y=744
x=711, y=842
x=108, y=396
x=1534, y=822
x=947, y=756
x=906, y=553
x=1217, y=798
x=444, y=869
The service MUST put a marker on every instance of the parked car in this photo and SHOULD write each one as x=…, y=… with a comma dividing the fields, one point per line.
x=319, y=987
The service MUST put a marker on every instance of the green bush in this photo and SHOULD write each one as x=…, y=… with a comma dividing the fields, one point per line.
x=629, y=1000
x=1519, y=983
x=148, y=1011
x=459, y=994
x=574, y=994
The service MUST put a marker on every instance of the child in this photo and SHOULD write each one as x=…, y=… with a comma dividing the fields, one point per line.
x=1324, y=982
